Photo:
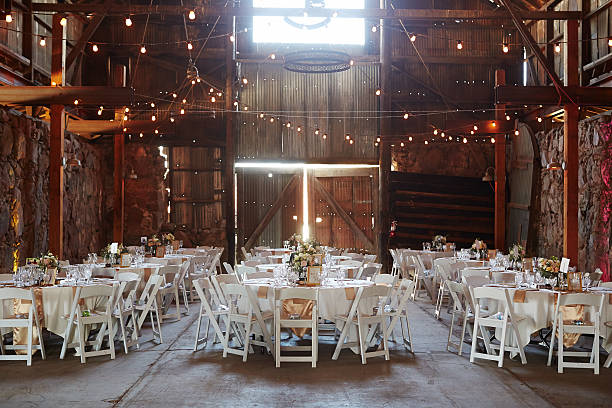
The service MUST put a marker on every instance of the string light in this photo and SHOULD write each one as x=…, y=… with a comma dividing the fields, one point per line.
x=374, y=29
x=143, y=49
x=125, y=117
x=471, y=132
x=450, y=138
x=426, y=142
x=213, y=99
x=516, y=132
x=324, y=136
x=539, y=119
x=63, y=21
x=378, y=139
x=184, y=100
x=182, y=111
x=156, y=131
x=288, y=124
x=246, y=108
x=465, y=140
x=152, y=104
x=351, y=63
x=172, y=119
x=410, y=138
x=191, y=15
x=271, y=120
x=412, y=37
x=406, y=116
x=402, y=144
x=507, y=117
x=245, y=80
x=435, y=132
x=459, y=45
x=128, y=21
x=126, y=110
x=347, y=137
x=505, y=48
x=232, y=38
x=494, y=124
x=76, y=101
x=442, y=134
x=193, y=82
x=8, y=18
x=351, y=141
x=492, y=140
x=272, y=56
x=378, y=92
x=43, y=41
x=610, y=42
x=189, y=46
x=316, y=131
x=558, y=48
x=299, y=129
x=475, y=127
x=174, y=95
x=236, y=104
x=94, y=48
x=261, y=115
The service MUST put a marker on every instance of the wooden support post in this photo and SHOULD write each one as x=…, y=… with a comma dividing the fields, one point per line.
x=118, y=77
x=384, y=152
x=570, y=149
x=56, y=143
x=228, y=174
x=500, y=171
x=28, y=40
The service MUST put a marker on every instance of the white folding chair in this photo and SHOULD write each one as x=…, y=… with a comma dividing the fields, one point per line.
x=396, y=263
x=399, y=313
x=305, y=295
x=218, y=282
x=241, y=271
x=246, y=255
x=244, y=321
x=205, y=290
x=594, y=302
x=364, y=320
x=351, y=263
x=444, y=277
x=231, y=271
x=460, y=311
x=170, y=291
x=147, y=305
x=259, y=275
x=369, y=271
x=421, y=277
x=502, y=320
x=467, y=272
x=123, y=309
x=101, y=297
x=29, y=321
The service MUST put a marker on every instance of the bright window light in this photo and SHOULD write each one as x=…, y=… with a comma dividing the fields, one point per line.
x=309, y=30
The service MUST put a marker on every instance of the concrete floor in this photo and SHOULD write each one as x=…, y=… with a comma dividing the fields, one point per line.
x=172, y=375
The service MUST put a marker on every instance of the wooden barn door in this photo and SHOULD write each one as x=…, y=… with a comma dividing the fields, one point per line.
x=520, y=176
x=269, y=208
x=342, y=213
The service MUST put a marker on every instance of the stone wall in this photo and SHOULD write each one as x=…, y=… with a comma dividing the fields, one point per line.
x=444, y=158
x=145, y=192
x=24, y=207
x=595, y=194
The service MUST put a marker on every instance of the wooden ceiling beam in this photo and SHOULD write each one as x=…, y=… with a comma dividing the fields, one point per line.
x=548, y=95
x=84, y=39
x=410, y=59
x=371, y=13
x=65, y=95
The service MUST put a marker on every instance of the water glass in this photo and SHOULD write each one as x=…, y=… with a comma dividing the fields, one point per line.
x=518, y=278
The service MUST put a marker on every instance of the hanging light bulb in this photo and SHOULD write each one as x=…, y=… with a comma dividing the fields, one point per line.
x=43, y=41
x=213, y=99
x=378, y=139
x=128, y=21
x=406, y=116
x=410, y=138
x=494, y=124
x=152, y=104
x=172, y=119
x=125, y=117
x=184, y=100
x=316, y=131
x=126, y=110
x=174, y=95
x=609, y=41
x=402, y=144
x=492, y=140
x=378, y=92
x=288, y=124
x=505, y=48
x=232, y=38
x=442, y=134
x=76, y=101
x=189, y=46
x=153, y=118
x=507, y=117
x=236, y=104
x=272, y=56
x=156, y=131
x=143, y=49
x=8, y=18
x=182, y=111
x=95, y=48
x=459, y=45
x=99, y=112
x=324, y=136
x=271, y=120
x=471, y=132
x=261, y=115
x=475, y=127
x=435, y=132
x=299, y=129
x=191, y=15
x=351, y=63
x=347, y=137
x=63, y=21
x=558, y=48
x=426, y=142
x=412, y=37
x=374, y=29
x=539, y=119
x=245, y=80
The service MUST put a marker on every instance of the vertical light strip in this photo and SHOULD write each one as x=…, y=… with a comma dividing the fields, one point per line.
x=305, y=228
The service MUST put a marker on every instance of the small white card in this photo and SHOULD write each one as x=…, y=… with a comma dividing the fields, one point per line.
x=564, y=267
x=113, y=248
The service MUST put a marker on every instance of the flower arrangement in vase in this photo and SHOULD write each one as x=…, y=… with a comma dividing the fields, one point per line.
x=516, y=253
x=47, y=264
x=307, y=253
x=438, y=242
x=479, y=249
x=167, y=238
x=549, y=268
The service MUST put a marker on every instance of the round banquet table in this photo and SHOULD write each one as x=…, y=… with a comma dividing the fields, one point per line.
x=538, y=306
x=335, y=298
x=143, y=270
x=53, y=305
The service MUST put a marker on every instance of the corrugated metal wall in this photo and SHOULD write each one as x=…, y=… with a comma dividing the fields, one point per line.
x=273, y=89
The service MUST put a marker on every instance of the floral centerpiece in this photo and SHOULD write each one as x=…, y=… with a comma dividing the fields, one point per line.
x=438, y=242
x=516, y=253
x=48, y=261
x=549, y=268
x=112, y=256
x=305, y=256
x=479, y=249
x=168, y=238
x=295, y=240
